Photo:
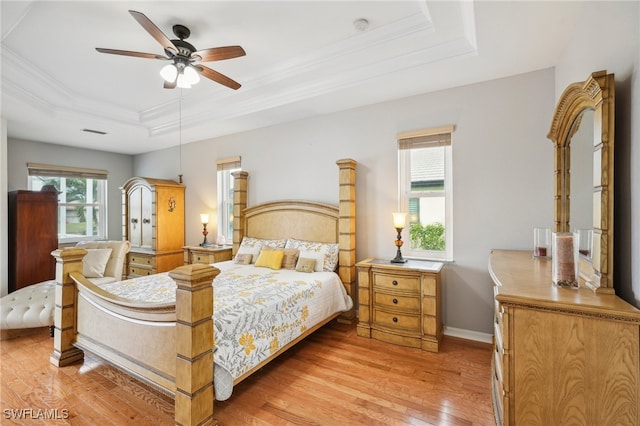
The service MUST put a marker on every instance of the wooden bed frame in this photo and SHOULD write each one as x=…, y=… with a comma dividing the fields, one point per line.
x=170, y=346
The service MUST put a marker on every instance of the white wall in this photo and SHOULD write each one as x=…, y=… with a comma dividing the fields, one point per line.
x=610, y=40
x=502, y=177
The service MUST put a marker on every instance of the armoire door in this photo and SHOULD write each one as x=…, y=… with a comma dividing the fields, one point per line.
x=147, y=215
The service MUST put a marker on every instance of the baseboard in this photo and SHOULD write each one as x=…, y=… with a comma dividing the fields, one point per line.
x=468, y=334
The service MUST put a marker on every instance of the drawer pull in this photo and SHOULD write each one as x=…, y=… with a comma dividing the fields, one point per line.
x=146, y=220
x=394, y=282
x=395, y=301
x=198, y=258
x=395, y=319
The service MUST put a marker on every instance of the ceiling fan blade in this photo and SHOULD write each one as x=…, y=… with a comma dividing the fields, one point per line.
x=218, y=53
x=217, y=77
x=130, y=53
x=154, y=31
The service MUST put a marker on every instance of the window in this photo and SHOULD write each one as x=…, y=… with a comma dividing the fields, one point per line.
x=425, y=189
x=82, y=199
x=226, y=166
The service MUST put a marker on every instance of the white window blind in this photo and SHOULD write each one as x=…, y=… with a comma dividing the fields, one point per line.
x=426, y=138
x=228, y=163
x=36, y=169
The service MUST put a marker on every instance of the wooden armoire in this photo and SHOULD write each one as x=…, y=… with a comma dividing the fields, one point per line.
x=153, y=222
x=33, y=235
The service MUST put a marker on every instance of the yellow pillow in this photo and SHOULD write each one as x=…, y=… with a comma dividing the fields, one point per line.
x=270, y=258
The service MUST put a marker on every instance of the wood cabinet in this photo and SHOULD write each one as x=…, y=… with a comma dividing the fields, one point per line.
x=400, y=303
x=33, y=235
x=561, y=356
x=206, y=255
x=153, y=221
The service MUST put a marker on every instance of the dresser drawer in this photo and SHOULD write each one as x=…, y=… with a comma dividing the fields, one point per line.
x=139, y=271
x=397, y=282
x=407, y=303
x=142, y=259
x=396, y=320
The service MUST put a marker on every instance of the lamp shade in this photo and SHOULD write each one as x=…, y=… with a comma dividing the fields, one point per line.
x=182, y=82
x=204, y=218
x=169, y=73
x=399, y=219
x=191, y=75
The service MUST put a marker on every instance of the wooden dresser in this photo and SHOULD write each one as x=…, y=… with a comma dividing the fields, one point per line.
x=206, y=255
x=561, y=356
x=153, y=221
x=32, y=236
x=400, y=303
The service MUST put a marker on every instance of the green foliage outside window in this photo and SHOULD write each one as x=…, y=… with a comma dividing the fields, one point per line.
x=427, y=237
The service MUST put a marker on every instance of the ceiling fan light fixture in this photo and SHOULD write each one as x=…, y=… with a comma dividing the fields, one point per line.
x=191, y=75
x=169, y=73
x=182, y=82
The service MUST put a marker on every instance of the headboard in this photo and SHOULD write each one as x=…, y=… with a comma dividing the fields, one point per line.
x=304, y=220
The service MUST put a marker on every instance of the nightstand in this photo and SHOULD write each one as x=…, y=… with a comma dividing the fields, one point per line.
x=206, y=255
x=400, y=303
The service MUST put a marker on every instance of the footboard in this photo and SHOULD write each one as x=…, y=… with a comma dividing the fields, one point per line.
x=169, y=346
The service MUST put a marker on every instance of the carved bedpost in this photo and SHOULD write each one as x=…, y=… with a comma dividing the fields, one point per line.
x=64, y=353
x=239, y=204
x=347, y=232
x=194, y=344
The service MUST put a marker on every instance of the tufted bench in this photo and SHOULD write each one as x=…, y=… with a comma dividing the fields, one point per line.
x=28, y=307
x=33, y=306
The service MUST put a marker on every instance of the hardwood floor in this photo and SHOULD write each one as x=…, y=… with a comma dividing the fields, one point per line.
x=331, y=378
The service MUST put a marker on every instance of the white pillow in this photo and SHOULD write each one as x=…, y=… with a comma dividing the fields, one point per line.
x=250, y=246
x=319, y=258
x=329, y=251
x=95, y=262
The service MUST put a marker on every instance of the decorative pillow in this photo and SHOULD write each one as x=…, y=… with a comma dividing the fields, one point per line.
x=290, y=258
x=250, y=246
x=270, y=258
x=95, y=262
x=328, y=250
x=243, y=258
x=305, y=265
x=317, y=256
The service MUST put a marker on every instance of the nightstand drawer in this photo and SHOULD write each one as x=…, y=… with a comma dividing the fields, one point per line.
x=397, y=282
x=397, y=320
x=206, y=255
x=408, y=303
x=201, y=258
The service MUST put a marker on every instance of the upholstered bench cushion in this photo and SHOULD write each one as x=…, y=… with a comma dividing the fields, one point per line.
x=28, y=307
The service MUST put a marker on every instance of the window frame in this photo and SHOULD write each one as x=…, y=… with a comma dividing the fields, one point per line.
x=225, y=167
x=92, y=177
x=426, y=138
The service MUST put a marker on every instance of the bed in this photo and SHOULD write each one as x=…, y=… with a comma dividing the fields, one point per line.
x=170, y=342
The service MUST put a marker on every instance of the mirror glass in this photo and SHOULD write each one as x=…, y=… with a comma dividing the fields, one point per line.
x=581, y=181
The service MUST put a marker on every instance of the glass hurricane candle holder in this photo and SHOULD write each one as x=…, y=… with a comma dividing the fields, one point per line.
x=586, y=241
x=541, y=242
x=564, y=263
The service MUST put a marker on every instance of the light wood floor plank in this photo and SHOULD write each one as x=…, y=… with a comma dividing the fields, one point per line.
x=332, y=377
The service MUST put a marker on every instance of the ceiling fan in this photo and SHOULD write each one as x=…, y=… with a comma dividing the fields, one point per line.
x=184, y=69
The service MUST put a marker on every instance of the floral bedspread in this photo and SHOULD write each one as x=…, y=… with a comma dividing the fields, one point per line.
x=256, y=310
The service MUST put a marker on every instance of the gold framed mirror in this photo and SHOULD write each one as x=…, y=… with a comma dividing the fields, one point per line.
x=596, y=94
